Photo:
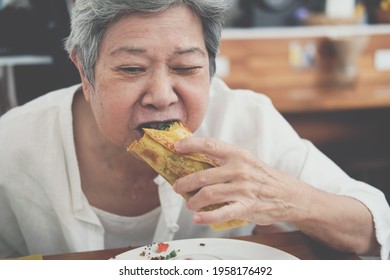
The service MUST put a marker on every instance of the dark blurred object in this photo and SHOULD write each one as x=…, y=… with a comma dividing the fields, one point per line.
x=39, y=28
x=337, y=59
x=371, y=8
x=383, y=16
x=269, y=13
x=378, y=11
x=383, y=12
x=22, y=31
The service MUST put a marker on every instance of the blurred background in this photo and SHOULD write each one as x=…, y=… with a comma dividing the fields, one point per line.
x=250, y=13
x=324, y=63
x=31, y=48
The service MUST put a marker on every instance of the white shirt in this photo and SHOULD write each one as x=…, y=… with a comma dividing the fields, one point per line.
x=121, y=231
x=42, y=206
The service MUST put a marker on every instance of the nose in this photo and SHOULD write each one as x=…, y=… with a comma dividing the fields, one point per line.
x=160, y=92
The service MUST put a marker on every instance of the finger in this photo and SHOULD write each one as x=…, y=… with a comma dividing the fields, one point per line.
x=211, y=195
x=202, y=178
x=223, y=214
x=244, y=194
x=210, y=146
x=235, y=211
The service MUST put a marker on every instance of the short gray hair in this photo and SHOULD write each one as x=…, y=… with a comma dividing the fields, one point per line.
x=91, y=18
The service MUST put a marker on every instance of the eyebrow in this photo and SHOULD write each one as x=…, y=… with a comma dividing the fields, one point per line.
x=190, y=50
x=140, y=51
x=129, y=50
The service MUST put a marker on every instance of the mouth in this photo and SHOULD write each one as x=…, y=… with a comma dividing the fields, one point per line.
x=164, y=125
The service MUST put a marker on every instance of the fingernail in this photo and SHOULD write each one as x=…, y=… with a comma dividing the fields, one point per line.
x=197, y=219
x=177, y=145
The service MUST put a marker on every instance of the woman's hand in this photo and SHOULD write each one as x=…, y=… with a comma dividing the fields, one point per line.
x=255, y=192
x=258, y=194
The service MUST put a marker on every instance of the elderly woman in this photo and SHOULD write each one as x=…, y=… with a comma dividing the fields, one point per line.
x=67, y=182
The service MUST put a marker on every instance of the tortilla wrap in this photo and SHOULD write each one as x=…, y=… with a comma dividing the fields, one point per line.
x=156, y=147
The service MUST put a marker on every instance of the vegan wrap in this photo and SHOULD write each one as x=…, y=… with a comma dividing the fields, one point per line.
x=156, y=148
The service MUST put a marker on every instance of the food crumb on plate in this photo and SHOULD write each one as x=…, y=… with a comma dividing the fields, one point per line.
x=162, y=247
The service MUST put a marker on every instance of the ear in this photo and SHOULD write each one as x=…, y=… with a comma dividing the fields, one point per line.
x=86, y=86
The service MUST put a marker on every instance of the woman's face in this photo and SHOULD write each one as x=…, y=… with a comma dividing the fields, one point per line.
x=150, y=69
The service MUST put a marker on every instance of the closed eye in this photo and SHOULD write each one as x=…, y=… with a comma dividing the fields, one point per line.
x=132, y=70
x=186, y=70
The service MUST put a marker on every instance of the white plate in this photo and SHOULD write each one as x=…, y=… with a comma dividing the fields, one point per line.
x=209, y=249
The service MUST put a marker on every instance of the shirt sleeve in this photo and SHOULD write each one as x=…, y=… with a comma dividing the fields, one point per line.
x=261, y=129
x=319, y=171
x=300, y=158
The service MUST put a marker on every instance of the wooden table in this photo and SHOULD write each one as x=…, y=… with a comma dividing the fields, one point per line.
x=295, y=243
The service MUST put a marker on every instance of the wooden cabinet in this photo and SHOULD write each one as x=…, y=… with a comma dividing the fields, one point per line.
x=351, y=124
